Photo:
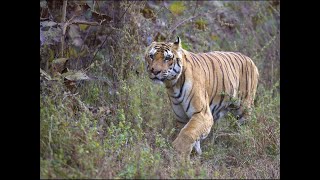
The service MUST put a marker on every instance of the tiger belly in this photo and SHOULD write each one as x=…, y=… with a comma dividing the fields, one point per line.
x=183, y=116
x=218, y=111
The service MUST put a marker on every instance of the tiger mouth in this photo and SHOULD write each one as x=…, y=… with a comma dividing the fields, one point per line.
x=157, y=79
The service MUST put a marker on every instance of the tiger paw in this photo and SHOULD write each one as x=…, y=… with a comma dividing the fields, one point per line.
x=183, y=145
x=197, y=147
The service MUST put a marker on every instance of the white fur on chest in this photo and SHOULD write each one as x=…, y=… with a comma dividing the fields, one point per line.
x=180, y=105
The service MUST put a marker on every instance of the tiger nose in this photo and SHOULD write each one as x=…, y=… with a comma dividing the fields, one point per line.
x=154, y=72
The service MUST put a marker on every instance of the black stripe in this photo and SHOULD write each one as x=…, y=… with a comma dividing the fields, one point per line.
x=223, y=85
x=200, y=63
x=216, y=79
x=193, y=59
x=235, y=75
x=179, y=95
x=179, y=102
x=196, y=59
x=252, y=72
x=208, y=68
x=218, y=113
x=224, y=64
x=231, y=67
x=189, y=102
x=219, y=106
x=185, y=56
x=185, y=92
x=177, y=114
x=175, y=70
x=215, y=92
x=231, y=60
x=214, y=107
x=197, y=112
x=240, y=59
x=189, y=94
x=227, y=72
x=247, y=84
x=236, y=60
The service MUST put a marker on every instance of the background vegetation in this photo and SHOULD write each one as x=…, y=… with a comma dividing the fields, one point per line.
x=101, y=117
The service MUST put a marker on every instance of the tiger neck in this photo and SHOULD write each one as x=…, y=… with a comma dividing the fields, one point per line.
x=173, y=83
x=176, y=83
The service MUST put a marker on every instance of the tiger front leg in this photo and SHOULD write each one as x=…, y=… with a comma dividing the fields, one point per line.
x=198, y=127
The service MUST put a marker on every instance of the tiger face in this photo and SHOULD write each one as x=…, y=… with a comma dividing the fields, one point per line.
x=164, y=61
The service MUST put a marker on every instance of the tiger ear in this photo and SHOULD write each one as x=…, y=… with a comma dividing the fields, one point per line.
x=177, y=43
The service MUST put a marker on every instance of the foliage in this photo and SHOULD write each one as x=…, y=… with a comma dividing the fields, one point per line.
x=101, y=117
x=177, y=7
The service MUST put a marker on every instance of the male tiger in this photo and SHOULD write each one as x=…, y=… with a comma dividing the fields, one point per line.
x=202, y=88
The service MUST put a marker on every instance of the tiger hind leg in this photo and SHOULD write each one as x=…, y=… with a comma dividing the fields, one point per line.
x=242, y=114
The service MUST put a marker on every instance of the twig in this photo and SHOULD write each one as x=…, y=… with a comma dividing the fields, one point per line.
x=277, y=12
x=182, y=22
x=72, y=18
x=194, y=10
x=70, y=22
x=44, y=19
x=186, y=20
x=85, y=22
x=92, y=59
x=63, y=20
x=50, y=138
x=64, y=11
x=265, y=46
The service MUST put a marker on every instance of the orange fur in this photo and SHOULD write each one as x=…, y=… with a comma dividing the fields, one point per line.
x=202, y=87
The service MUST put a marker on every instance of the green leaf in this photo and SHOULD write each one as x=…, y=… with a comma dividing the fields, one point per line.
x=185, y=46
x=177, y=7
x=83, y=27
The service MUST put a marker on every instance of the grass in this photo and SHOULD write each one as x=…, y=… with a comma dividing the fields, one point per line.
x=134, y=141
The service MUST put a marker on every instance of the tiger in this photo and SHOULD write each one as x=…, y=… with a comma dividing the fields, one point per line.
x=202, y=88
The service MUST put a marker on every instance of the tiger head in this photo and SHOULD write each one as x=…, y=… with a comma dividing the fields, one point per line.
x=164, y=61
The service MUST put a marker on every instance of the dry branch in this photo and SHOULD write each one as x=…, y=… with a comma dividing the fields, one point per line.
x=71, y=21
x=92, y=59
x=85, y=22
x=63, y=20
